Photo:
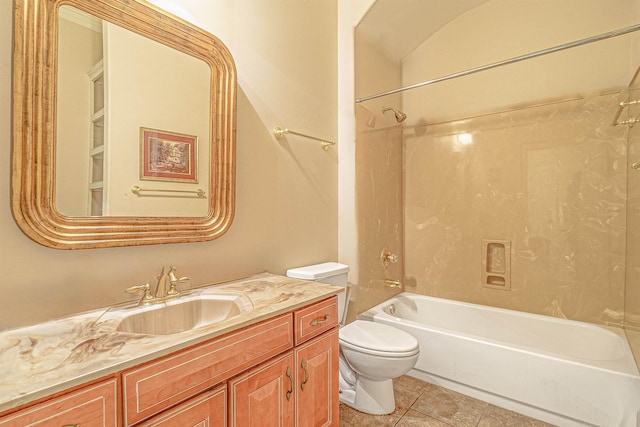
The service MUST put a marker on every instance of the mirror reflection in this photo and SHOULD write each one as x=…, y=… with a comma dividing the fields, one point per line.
x=132, y=114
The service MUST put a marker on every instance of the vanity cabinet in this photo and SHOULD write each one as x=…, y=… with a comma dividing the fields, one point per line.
x=282, y=371
x=300, y=388
x=91, y=406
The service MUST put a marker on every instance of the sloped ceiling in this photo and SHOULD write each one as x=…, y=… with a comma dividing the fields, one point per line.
x=397, y=27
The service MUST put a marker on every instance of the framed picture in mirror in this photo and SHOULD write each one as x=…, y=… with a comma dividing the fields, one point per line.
x=168, y=156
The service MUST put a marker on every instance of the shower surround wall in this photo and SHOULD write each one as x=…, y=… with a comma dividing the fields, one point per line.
x=379, y=205
x=523, y=154
x=548, y=174
x=550, y=179
x=379, y=176
x=632, y=289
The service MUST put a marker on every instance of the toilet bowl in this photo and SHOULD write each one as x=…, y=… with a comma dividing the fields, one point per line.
x=371, y=354
x=377, y=353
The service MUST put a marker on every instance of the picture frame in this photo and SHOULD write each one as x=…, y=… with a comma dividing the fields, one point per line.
x=168, y=156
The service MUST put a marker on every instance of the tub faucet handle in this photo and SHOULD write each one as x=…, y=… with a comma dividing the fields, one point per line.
x=387, y=257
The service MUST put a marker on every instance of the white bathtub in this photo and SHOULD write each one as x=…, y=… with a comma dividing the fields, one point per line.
x=564, y=372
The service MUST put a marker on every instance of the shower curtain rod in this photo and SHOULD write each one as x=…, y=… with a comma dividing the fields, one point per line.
x=565, y=46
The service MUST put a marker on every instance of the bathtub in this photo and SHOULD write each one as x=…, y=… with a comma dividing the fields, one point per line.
x=564, y=372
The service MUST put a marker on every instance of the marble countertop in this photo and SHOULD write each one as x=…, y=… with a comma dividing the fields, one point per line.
x=47, y=358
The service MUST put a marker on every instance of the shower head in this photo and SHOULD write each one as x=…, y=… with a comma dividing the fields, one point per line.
x=400, y=116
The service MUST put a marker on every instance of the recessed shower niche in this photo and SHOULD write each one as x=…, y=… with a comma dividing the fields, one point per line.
x=496, y=264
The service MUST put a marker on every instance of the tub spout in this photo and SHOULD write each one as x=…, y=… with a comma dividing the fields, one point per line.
x=392, y=283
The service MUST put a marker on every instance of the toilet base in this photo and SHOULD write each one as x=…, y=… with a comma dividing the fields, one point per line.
x=348, y=397
x=370, y=397
x=375, y=397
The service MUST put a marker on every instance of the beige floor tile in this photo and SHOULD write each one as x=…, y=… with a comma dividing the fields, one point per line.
x=419, y=403
x=349, y=417
x=417, y=419
x=498, y=417
x=451, y=407
x=407, y=390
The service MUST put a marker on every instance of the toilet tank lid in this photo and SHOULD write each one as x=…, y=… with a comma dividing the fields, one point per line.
x=318, y=271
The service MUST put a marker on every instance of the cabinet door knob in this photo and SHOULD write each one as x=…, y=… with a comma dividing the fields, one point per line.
x=291, y=381
x=303, y=384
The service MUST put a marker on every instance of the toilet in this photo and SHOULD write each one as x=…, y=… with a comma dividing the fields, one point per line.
x=371, y=354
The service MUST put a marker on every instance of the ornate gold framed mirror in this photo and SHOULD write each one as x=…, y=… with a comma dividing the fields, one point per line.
x=123, y=126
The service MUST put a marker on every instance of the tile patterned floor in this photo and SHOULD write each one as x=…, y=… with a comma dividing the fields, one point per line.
x=427, y=405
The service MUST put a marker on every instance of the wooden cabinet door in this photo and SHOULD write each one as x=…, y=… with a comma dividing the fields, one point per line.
x=317, y=382
x=264, y=396
x=92, y=406
x=208, y=409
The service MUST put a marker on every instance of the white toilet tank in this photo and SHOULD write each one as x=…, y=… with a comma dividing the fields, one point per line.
x=332, y=273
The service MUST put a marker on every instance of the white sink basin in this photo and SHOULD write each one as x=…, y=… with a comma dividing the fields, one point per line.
x=182, y=314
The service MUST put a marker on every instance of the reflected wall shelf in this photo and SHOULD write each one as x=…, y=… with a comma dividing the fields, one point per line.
x=279, y=133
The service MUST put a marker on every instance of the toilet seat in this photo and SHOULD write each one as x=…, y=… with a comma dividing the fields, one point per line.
x=378, y=339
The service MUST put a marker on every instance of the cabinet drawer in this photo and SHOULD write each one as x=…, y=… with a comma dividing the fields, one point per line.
x=208, y=409
x=93, y=406
x=164, y=382
x=315, y=319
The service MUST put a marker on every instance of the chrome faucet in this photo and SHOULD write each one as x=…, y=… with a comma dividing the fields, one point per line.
x=167, y=287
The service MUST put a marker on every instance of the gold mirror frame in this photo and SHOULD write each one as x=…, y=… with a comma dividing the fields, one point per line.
x=34, y=129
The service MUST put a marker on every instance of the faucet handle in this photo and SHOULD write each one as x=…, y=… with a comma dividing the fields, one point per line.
x=174, y=280
x=146, y=289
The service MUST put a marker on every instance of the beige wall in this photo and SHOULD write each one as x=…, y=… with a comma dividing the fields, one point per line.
x=373, y=71
x=152, y=86
x=503, y=29
x=350, y=12
x=286, y=212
